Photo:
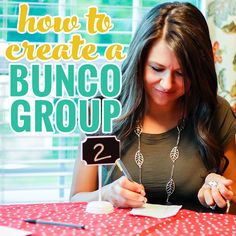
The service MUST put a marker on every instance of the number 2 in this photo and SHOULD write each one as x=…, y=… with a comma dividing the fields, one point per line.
x=97, y=158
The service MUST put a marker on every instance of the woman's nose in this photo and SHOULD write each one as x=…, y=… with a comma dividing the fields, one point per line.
x=167, y=80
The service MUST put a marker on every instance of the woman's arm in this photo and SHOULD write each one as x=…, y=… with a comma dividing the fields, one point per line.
x=230, y=172
x=226, y=184
x=121, y=193
x=84, y=182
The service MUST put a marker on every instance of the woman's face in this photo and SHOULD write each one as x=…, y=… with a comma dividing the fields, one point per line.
x=163, y=79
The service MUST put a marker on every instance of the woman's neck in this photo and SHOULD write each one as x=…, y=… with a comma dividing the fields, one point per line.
x=161, y=119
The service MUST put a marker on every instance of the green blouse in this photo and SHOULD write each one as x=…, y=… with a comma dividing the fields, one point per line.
x=189, y=172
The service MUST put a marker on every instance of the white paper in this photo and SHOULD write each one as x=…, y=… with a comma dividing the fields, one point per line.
x=7, y=231
x=156, y=210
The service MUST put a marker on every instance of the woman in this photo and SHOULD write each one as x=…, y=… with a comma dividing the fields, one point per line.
x=177, y=136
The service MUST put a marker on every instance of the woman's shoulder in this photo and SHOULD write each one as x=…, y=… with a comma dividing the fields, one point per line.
x=223, y=107
x=224, y=120
x=222, y=101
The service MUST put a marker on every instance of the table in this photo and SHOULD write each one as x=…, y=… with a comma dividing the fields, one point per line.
x=120, y=222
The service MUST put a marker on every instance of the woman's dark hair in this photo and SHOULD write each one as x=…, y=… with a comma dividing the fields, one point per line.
x=185, y=30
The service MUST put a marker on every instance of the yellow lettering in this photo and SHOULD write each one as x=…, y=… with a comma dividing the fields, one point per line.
x=43, y=50
x=74, y=49
x=22, y=20
x=88, y=50
x=10, y=52
x=115, y=51
x=29, y=50
x=68, y=24
x=76, y=42
x=61, y=51
x=45, y=23
x=97, y=22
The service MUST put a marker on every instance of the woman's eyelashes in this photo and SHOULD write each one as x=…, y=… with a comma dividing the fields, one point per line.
x=176, y=73
x=179, y=73
x=157, y=69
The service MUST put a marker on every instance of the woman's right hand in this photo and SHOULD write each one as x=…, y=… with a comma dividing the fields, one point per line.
x=124, y=194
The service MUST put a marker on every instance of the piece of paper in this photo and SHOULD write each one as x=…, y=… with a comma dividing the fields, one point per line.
x=156, y=210
x=7, y=231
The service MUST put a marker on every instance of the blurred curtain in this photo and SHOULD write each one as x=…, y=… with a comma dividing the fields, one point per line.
x=221, y=18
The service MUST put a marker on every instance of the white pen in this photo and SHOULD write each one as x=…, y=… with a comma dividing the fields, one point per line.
x=228, y=206
x=123, y=169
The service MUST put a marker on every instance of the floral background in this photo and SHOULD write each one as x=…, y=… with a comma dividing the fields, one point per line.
x=221, y=17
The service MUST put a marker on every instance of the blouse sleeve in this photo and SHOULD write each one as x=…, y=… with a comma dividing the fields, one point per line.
x=225, y=121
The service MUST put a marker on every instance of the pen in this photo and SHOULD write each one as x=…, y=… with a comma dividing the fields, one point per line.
x=228, y=206
x=55, y=223
x=123, y=169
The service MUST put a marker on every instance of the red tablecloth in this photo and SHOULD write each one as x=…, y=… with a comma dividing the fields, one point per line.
x=120, y=222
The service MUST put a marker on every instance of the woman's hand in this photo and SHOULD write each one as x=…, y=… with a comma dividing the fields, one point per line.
x=124, y=193
x=215, y=191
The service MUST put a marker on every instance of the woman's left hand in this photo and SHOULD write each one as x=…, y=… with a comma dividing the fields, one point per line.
x=215, y=191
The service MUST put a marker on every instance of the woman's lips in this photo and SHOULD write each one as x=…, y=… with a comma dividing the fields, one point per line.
x=166, y=92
